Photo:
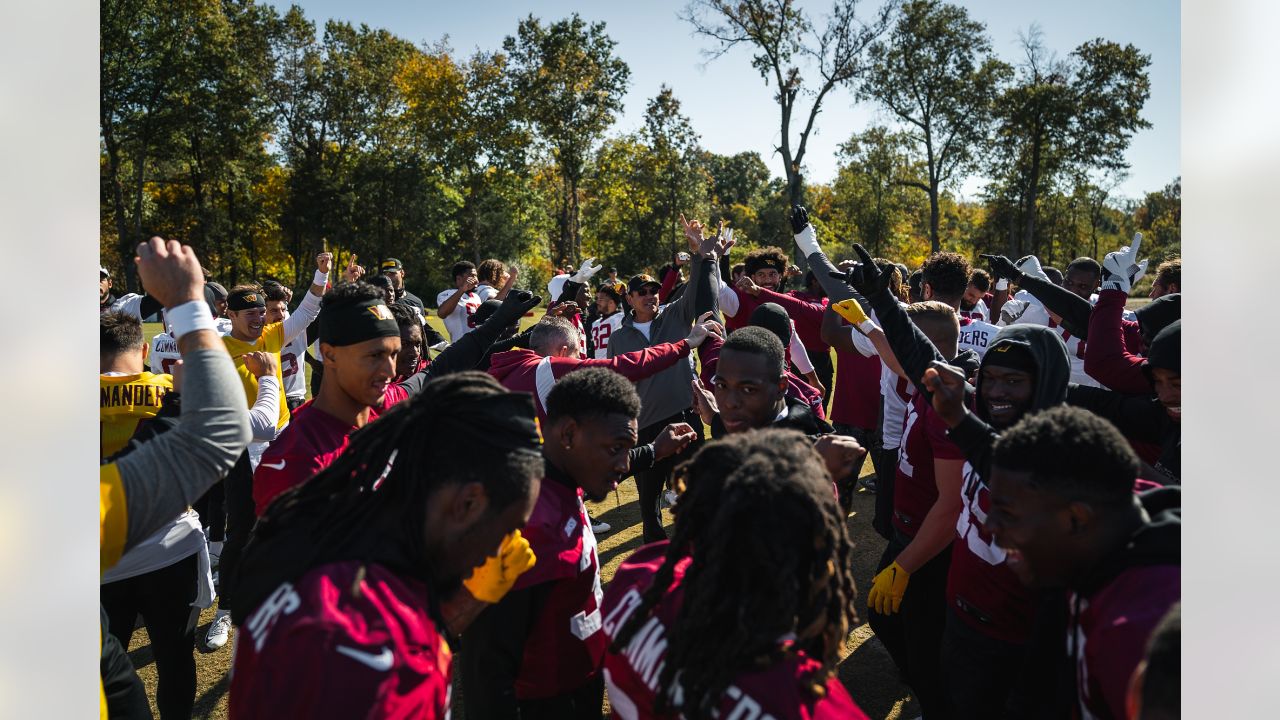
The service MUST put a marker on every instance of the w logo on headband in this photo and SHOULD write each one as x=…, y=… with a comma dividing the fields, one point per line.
x=251, y=298
x=381, y=312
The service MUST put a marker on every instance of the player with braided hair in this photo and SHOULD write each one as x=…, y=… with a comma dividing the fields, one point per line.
x=358, y=573
x=672, y=613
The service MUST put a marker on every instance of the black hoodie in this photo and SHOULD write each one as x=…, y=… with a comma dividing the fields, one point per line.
x=1143, y=417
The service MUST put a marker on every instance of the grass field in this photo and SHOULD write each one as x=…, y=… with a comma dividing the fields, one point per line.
x=865, y=668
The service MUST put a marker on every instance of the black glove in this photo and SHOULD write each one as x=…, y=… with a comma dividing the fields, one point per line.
x=1002, y=267
x=799, y=218
x=865, y=277
x=517, y=303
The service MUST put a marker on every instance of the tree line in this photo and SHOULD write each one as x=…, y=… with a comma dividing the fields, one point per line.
x=262, y=138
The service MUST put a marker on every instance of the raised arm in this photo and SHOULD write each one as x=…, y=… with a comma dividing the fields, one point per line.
x=1073, y=309
x=1106, y=358
x=309, y=309
x=822, y=267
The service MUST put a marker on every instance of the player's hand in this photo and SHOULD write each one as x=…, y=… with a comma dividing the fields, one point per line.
x=724, y=241
x=568, y=308
x=494, y=579
x=693, y=232
x=747, y=285
x=673, y=439
x=865, y=277
x=852, y=311
x=792, y=271
x=516, y=304
x=712, y=326
x=470, y=283
x=1121, y=269
x=353, y=272
x=839, y=452
x=1030, y=265
x=512, y=274
x=947, y=385
x=799, y=219
x=170, y=271
x=1002, y=267
x=699, y=332
x=261, y=363
x=887, y=589
x=703, y=401
x=324, y=261
x=586, y=271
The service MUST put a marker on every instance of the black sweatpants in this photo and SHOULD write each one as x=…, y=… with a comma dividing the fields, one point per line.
x=126, y=697
x=650, y=483
x=867, y=439
x=238, y=485
x=585, y=703
x=163, y=598
x=980, y=670
x=913, y=635
x=213, y=514
x=824, y=369
x=885, y=461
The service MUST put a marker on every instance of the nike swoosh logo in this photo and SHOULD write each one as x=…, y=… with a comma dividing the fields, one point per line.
x=274, y=466
x=380, y=662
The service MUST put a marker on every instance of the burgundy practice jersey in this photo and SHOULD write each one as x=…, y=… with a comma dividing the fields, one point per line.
x=327, y=647
x=981, y=588
x=915, y=489
x=856, y=398
x=780, y=692
x=1108, y=632
x=564, y=645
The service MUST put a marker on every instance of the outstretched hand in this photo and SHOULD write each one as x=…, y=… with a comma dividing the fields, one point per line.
x=947, y=385
x=704, y=402
x=170, y=271
x=865, y=276
x=799, y=219
x=1002, y=267
x=516, y=304
x=1121, y=269
x=673, y=439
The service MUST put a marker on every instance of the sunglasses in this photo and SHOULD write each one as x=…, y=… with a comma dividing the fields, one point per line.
x=646, y=291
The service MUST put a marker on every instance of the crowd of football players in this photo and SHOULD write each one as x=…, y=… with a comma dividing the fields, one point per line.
x=424, y=495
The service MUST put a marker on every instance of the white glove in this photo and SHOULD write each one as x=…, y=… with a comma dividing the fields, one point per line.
x=807, y=241
x=1120, y=269
x=586, y=271
x=1030, y=265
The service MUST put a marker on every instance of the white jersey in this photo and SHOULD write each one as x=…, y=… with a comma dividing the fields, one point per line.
x=456, y=321
x=601, y=329
x=894, y=389
x=976, y=335
x=292, y=357
x=979, y=312
x=164, y=353
x=486, y=292
x=1029, y=310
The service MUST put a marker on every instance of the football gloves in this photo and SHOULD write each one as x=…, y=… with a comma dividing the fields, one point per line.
x=852, y=311
x=586, y=271
x=1121, y=269
x=887, y=589
x=495, y=578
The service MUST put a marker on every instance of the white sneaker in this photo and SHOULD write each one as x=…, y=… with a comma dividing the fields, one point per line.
x=599, y=526
x=219, y=631
x=670, y=496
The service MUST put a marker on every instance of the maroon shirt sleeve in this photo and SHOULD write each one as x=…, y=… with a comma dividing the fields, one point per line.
x=709, y=356
x=668, y=284
x=807, y=315
x=634, y=366
x=277, y=473
x=936, y=429
x=1106, y=359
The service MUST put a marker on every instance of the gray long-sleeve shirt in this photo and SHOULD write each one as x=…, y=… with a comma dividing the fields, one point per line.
x=167, y=474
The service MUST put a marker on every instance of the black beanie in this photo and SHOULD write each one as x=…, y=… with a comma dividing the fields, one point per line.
x=1012, y=355
x=1157, y=314
x=773, y=318
x=1166, y=350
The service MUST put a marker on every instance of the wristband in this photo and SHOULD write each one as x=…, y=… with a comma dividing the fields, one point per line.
x=1002, y=284
x=320, y=278
x=189, y=317
x=866, y=326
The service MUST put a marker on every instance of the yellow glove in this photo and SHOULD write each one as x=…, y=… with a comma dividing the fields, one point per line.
x=492, y=580
x=887, y=589
x=850, y=310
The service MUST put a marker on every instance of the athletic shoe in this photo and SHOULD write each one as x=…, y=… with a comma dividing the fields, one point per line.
x=599, y=526
x=868, y=483
x=219, y=631
x=670, y=498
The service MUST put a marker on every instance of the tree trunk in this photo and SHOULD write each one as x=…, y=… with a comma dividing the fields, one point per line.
x=1033, y=194
x=934, y=214
x=575, y=238
x=126, y=243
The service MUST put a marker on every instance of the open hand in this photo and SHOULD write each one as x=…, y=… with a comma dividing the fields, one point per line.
x=170, y=271
x=673, y=439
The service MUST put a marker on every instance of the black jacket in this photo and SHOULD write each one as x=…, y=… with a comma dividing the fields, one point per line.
x=799, y=417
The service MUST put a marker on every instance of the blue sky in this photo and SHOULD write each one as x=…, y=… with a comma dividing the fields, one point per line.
x=732, y=109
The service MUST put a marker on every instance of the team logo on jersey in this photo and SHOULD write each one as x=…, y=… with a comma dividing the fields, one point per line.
x=381, y=312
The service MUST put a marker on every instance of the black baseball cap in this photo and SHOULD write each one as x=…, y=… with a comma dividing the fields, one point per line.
x=638, y=281
x=392, y=265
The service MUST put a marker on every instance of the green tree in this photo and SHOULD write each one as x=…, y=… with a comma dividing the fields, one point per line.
x=872, y=195
x=936, y=74
x=780, y=36
x=569, y=86
x=1063, y=118
x=680, y=184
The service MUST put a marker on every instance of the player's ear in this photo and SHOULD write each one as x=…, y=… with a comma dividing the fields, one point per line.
x=568, y=433
x=1080, y=515
x=468, y=504
x=326, y=352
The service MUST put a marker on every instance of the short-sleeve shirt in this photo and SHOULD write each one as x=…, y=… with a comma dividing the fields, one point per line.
x=272, y=341
x=915, y=489
x=601, y=329
x=564, y=646
x=456, y=321
x=123, y=401
x=782, y=691
x=334, y=644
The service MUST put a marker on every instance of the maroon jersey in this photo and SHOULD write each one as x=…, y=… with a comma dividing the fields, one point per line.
x=809, y=324
x=780, y=692
x=327, y=647
x=915, y=489
x=856, y=399
x=311, y=441
x=981, y=588
x=1108, y=632
x=564, y=645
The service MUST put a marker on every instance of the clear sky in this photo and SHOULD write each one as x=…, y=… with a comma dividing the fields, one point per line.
x=732, y=109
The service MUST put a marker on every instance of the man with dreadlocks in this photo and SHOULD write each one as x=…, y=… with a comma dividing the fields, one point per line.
x=756, y=504
x=536, y=654
x=353, y=583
